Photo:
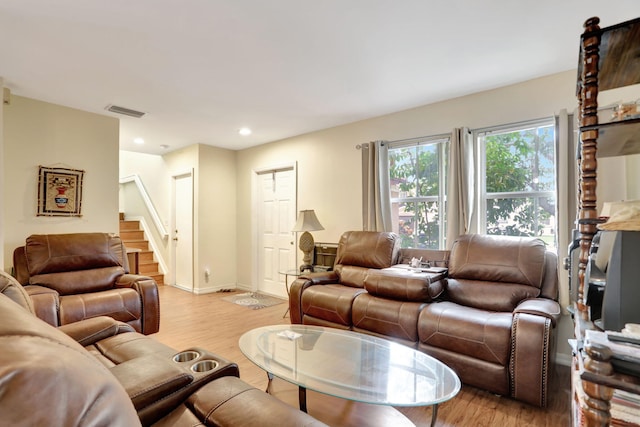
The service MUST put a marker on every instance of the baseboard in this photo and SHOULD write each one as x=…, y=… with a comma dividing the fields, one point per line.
x=207, y=290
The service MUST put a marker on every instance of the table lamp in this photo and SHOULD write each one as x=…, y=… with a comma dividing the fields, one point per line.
x=307, y=221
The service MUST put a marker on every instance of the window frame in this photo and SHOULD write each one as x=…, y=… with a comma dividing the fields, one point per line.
x=483, y=196
x=443, y=141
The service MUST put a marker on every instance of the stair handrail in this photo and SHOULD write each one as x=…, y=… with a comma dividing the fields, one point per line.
x=147, y=201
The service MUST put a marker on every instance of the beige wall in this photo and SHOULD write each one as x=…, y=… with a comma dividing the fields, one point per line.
x=214, y=180
x=216, y=219
x=2, y=179
x=329, y=165
x=39, y=133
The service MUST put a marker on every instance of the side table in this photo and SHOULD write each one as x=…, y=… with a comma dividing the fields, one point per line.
x=295, y=273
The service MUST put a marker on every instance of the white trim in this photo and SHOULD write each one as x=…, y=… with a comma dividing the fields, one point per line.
x=148, y=203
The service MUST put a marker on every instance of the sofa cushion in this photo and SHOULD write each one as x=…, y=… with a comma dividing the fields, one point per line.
x=121, y=304
x=332, y=303
x=404, y=285
x=368, y=249
x=498, y=259
x=73, y=282
x=479, y=334
x=52, y=253
x=495, y=272
x=351, y=275
x=493, y=296
x=390, y=318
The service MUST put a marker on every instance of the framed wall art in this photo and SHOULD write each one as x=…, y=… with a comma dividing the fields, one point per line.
x=59, y=191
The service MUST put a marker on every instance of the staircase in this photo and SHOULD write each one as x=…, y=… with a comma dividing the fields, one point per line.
x=133, y=238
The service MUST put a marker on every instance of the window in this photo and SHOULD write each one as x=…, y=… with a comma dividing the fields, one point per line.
x=518, y=180
x=417, y=183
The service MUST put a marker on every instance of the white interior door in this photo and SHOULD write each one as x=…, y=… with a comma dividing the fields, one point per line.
x=276, y=217
x=182, y=233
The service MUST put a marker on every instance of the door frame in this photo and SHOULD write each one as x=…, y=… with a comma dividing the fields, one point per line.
x=254, y=213
x=172, y=248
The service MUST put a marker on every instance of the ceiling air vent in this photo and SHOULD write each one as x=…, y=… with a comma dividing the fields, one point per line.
x=125, y=111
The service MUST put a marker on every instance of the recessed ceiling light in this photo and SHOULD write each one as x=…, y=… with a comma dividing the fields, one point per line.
x=138, y=140
x=244, y=131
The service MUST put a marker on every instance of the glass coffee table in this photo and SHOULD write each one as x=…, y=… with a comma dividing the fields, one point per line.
x=350, y=365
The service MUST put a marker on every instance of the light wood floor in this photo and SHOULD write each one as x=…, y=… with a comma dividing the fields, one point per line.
x=208, y=322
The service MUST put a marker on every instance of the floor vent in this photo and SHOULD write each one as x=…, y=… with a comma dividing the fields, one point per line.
x=125, y=111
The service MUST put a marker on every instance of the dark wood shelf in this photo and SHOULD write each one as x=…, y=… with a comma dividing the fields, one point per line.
x=619, y=63
x=621, y=138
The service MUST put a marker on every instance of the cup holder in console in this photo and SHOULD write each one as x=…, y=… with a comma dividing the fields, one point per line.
x=186, y=356
x=204, y=366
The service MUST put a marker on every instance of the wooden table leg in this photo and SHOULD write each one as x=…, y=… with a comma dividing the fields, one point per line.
x=302, y=398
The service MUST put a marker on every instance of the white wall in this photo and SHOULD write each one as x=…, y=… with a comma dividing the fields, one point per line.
x=39, y=133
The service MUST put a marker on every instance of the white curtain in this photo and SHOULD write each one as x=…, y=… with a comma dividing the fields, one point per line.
x=376, y=206
x=460, y=185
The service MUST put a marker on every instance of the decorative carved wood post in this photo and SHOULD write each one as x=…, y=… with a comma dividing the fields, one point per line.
x=598, y=405
x=588, y=103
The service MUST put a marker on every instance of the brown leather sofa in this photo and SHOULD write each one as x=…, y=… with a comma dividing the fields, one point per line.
x=77, y=276
x=99, y=372
x=491, y=318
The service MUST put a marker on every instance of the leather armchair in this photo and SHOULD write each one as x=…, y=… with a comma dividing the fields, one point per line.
x=49, y=377
x=71, y=277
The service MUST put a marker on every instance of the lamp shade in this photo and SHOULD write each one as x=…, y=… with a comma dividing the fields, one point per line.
x=307, y=221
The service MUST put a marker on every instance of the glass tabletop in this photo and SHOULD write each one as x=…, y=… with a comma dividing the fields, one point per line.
x=350, y=365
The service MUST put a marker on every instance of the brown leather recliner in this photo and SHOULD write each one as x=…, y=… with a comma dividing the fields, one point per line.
x=494, y=325
x=491, y=320
x=49, y=377
x=77, y=276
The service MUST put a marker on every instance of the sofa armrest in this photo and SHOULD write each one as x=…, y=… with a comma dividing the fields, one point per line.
x=46, y=303
x=531, y=343
x=148, y=290
x=541, y=307
x=148, y=379
x=303, y=282
x=90, y=331
x=229, y=401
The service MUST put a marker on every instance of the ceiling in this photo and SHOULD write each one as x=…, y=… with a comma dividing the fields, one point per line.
x=203, y=69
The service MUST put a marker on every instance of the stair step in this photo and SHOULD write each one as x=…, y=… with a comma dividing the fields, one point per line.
x=146, y=268
x=158, y=277
x=133, y=237
x=137, y=244
x=129, y=225
x=145, y=256
x=128, y=235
